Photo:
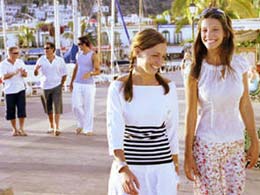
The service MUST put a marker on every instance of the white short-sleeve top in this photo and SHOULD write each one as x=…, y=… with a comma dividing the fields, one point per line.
x=145, y=117
x=219, y=97
x=51, y=72
x=16, y=83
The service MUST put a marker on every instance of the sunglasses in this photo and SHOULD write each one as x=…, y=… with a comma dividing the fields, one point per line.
x=46, y=48
x=15, y=53
x=215, y=11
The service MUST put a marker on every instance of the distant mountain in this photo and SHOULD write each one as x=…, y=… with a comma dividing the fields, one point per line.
x=150, y=7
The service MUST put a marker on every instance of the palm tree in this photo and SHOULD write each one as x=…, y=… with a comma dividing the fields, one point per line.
x=26, y=37
x=181, y=14
x=83, y=26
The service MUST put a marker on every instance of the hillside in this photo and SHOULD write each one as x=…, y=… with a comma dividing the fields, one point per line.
x=151, y=7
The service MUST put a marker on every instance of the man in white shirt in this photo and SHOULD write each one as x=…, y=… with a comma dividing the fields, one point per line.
x=12, y=71
x=1, y=91
x=52, y=69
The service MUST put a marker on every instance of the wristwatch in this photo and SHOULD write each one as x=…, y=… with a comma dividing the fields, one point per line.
x=120, y=165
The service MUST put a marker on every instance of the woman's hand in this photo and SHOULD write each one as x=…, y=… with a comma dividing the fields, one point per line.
x=190, y=167
x=252, y=154
x=129, y=181
x=87, y=75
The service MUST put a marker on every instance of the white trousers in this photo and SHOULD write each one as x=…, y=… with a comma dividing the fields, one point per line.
x=1, y=91
x=154, y=180
x=83, y=103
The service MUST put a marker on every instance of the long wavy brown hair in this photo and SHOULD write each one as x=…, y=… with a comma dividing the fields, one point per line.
x=227, y=47
x=145, y=39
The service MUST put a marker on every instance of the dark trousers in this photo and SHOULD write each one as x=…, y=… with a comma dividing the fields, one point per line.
x=52, y=100
x=13, y=101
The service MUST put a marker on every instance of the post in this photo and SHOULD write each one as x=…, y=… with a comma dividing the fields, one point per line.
x=57, y=27
x=140, y=14
x=112, y=39
x=193, y=9
x=99, y=30
x=4, y=26
x=75, y=21
x=192, y=26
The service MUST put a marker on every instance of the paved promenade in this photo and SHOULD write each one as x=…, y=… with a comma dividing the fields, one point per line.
x=41, y=164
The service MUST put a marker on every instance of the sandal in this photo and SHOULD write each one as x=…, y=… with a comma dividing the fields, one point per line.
x=50, y=131
x=78, y=130
x=15, y=133
x=22, y=133
x=88, y=134
x=56, y=132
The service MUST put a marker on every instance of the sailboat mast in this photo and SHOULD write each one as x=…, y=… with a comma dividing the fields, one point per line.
x=112, y=35
x=57, y=26
x=99, y=30
x=140, y=14
x=4, y=26
x=75, y=21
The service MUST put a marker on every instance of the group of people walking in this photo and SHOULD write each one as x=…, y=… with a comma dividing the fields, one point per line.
x=142, y=111
x=53, y=73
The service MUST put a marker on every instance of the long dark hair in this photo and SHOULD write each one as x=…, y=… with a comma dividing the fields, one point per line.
x=145, y=39
x=227, y=47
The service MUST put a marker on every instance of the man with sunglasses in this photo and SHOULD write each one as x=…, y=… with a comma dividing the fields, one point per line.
x=83, y=87
x=12, y=72
x=53, y=75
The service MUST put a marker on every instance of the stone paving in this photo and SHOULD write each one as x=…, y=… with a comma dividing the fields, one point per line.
x=41, y=164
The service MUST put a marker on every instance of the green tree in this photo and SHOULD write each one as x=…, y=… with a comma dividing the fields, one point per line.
x=181, y=14
x=160, y=20
x=26, y=37
x=83, y=26
x=24, y=9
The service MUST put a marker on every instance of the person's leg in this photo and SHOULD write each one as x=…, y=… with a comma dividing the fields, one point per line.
x=1, y=94
x=51, y=120
x=21, y=127
x=10, y=112
x=77, y=100
x=57, y=103
x=208, y=161
x=57, y=121
x=49, y=110
x=21, y=110
x=235, y=169
x=14, y=128
x=89, y=105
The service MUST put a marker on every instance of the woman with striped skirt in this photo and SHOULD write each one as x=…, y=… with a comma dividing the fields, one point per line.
x=142, y=123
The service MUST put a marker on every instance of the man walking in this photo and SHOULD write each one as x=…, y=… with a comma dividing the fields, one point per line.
x=83, y=86
x=53, y=72
x=12, y=72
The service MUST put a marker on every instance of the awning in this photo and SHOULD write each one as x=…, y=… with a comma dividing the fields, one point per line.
x=36, y=51
x=246, y=35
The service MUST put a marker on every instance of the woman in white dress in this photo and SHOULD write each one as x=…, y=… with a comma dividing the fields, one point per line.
x=142, y=123
x=218, y=111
